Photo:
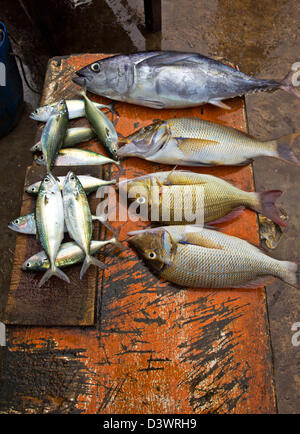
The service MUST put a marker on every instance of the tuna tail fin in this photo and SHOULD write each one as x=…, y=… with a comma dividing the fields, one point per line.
x=284, y=148
x=89, y=260
x=289, y=85
x=55, y=271
x=292, y=273
x=267, y=207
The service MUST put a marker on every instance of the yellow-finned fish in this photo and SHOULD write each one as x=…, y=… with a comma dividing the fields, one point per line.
x=192, y=256
x=195, y=142
x=177, y=194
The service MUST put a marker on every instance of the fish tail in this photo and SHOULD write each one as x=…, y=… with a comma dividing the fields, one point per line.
x=90, y=260
x=291, y=273
x=115, y=239
x=111, y=108
x=265, y=204
x=54, y=271
x=284, y=148
x=290, y=84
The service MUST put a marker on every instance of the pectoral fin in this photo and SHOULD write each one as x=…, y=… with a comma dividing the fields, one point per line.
x=191, y=146
x=150, y=103
x=197, y=239
x=219, y=103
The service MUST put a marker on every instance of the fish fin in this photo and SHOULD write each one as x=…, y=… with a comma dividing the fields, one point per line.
x=171, y=58
x=284, y=150
x=237, y=212
x=199, y=240
x=115, y=240
x=191, y=146
x=267, y=206
x=90, y=260
x=103, y=221
x=150, y=103
x=219, y=103
x=288, y=85
x=111, y=108
x=292, y=273
x=256, y=283
x=53, y=272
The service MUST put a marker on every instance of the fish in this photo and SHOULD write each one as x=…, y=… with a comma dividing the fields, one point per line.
x=75, y=110
x=177, y=193
x=102, y=126
x=26, y=224
x=78, y=219
x=171, y=79
x=49, y=214
x=192, y=256
x=78, y=157
x=89, y=183
x=53, y=134
x=73, y=137
x=69, y=254
x=196, y=142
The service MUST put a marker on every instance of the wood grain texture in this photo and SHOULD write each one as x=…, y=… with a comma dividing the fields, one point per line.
x=155, y=348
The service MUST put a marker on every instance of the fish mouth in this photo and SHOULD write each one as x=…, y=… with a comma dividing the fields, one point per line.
x=81, y=78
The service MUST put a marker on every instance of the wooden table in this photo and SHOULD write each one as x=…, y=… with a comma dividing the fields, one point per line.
x=150, y=347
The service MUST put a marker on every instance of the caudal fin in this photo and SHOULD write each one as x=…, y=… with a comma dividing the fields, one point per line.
x=267, y=207
x=115, y=240
x=53, y=272
x=284, y=148
x=290, y=84
x=90, y=260
x=291, y=273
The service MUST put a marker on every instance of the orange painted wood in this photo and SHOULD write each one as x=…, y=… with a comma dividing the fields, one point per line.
x=154, y=348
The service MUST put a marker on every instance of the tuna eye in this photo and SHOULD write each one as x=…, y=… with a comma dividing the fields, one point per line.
x=152, y=255
x=95, y=67
x=141, y=200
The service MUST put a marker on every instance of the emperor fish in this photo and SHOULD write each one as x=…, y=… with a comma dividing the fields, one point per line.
x=75, y=110
x=191, y=256
x=102, y=126
x=176, y=194
x=170, y=79
x=195, y=142
x=73, y=137
x=89, y=183
x=79, y=219
x=53, y=134
x=49, y=215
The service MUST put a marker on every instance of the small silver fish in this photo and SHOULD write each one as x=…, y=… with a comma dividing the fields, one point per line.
x=73, y=137
x=78, y=219
x=89, y=183
x=195, y=142
x=78, y=157
x=191, y=256
x=49, y=214
x=170, y=79
x=75, y=110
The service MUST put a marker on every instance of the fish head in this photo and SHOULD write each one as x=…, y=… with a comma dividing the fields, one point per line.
x=33, y=188
x=36, y=147
x=72, y=185
x=34, y=263
x=42, y=114
x=49, y=185
x=61, y=107
x=146, y=141
x=21, y=224
x=111, y=77
x=155, y=246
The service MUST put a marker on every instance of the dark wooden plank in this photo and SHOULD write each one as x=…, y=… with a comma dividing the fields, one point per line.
x=153, y=15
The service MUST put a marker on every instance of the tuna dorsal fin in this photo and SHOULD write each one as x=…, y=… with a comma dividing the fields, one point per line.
x=171, y=58
x=190, y=146
x=256, y=283
x=197, y=239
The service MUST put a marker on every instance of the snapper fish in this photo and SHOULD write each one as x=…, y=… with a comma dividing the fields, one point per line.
x=176, y=195
x=191, y=256
x=170, y=79
x=195, y=142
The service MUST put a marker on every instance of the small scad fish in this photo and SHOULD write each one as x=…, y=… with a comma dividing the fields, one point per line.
x=195, y=142
x=192, y=256
x=49, y=216
x=78, y=157
x=73, y=136
x=176, y=194
x=79, y=219
x=102, y=126
x=75, y=110
x=170, y=79
x=89, y=183
x=53, y=134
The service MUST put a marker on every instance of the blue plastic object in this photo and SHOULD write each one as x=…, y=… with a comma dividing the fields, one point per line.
x=11, y=88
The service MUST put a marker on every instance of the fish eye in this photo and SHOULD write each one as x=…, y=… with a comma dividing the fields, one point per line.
x=47, y=179
x=28, y=264
x=33, y=189
x=141, y=200
x=152, y=255
x=72, y=177
x=95, y=67
x=17, y=221
x=41, y=157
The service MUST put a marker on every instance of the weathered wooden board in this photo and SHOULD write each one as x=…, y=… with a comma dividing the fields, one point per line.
x=154, y=348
